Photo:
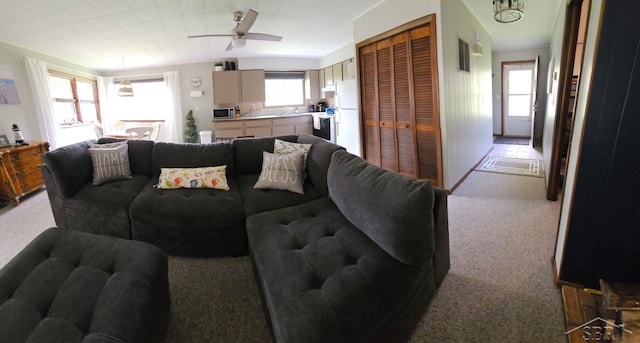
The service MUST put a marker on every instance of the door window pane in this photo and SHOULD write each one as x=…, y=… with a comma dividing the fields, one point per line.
x=520, y=82
x=519, y=105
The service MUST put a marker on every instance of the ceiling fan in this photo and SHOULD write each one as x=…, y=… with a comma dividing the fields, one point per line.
x=240, y=33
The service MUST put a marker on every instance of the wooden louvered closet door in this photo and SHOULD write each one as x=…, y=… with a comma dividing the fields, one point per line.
x=401, y=125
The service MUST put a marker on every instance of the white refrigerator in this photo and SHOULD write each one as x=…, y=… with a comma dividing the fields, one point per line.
x=347, y=116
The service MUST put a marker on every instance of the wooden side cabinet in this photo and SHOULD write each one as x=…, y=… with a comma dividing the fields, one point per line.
x=20, y=170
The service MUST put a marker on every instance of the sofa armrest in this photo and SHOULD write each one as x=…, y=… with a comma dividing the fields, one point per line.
x=70, y=167
x=55, y=198
x=441, y=259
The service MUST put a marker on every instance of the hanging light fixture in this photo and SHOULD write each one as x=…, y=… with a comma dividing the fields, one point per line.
x=508, y=11
x=125, y=88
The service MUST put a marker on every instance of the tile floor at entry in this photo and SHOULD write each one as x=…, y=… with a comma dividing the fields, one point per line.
x=516, y=151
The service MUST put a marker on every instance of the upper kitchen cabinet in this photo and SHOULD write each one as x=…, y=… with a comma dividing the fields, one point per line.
x=234, y=86
x=252, y=84
x=321, y=83
x=226, y=87
x=328, y=76
x=337, y=72
x=311, y=85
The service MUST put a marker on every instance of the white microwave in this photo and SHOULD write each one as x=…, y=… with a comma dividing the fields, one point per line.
x=219, y=113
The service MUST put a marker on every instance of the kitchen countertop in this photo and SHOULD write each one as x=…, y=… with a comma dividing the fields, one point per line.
x=269, y=116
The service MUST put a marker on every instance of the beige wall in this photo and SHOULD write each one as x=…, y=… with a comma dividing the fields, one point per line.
x=24, y=114
x=467, y=111
x=555, y=51
x=465, y=98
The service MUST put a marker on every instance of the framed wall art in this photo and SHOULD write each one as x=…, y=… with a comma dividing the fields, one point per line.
x=8, y=91
x=4, y=141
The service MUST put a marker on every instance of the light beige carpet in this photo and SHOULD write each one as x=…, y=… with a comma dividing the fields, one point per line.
x=500, y=287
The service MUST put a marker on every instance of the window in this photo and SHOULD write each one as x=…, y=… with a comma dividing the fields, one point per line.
x=148, y=103
x=284, y=88
x=75, y=99
x=463, y=56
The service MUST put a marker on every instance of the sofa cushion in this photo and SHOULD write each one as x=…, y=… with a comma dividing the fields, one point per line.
x=177, y=155
x=110, y=164
x=139, y=154
x=190, y=221
x=68, y=286
x=260, y=200
x=318, y=160
x=393, y=210
x=104, y=209
x=283, y=172
x=323, y=280
x=247, y=152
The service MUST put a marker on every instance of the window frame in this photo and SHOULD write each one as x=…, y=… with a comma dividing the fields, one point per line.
x=76, y=101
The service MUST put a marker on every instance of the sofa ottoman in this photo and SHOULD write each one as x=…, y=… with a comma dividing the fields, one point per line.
x=70, y=286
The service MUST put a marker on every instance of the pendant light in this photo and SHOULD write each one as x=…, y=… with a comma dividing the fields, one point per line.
x=125, y=88
x=508, y=11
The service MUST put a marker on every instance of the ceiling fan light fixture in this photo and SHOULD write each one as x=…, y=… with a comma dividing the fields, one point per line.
x=508, y=11
x=239, y=42
x=125, y=88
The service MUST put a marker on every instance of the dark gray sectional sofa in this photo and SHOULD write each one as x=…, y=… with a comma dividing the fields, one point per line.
x=356, y=258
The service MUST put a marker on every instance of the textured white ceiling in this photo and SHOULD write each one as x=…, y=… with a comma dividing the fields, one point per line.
x=533, y=30
x=97, y=34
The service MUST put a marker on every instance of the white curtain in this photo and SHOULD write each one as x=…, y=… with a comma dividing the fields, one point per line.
x=39, y=82
x=106, y=94
x=174, y=122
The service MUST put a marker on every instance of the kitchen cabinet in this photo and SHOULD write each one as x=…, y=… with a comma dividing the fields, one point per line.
x=258, y=127
x=321, y=83
x=226, y=87
x=263, y=127
x=228, y=129
x=311, y=85
x=252, y=85
x=345, y=70
x=20, y=170
x=328, y=76
x=234, y=86
x=297, y=125
x=337, y=72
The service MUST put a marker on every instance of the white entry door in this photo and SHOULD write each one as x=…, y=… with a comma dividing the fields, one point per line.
x=518, y=84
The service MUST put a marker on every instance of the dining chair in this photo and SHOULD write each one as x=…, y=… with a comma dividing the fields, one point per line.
x=155, y=132
x=99, y=131
x=140, y=131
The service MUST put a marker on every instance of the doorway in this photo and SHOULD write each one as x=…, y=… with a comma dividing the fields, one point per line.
x=518, y=92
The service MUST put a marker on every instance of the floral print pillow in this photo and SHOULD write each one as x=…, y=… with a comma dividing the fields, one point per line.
x=205, y=177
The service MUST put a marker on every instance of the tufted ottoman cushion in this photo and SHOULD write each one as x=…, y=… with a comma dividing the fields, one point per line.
x=323, y=280
x=69, y=286
x=191, y=222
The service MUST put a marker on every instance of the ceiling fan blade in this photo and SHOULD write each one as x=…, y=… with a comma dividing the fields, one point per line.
x=262, y=36
x=212, y=35
x=246, y=23
x=229, y=47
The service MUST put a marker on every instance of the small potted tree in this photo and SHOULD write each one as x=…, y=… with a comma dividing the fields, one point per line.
x=219, y=66
x=191, y=131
